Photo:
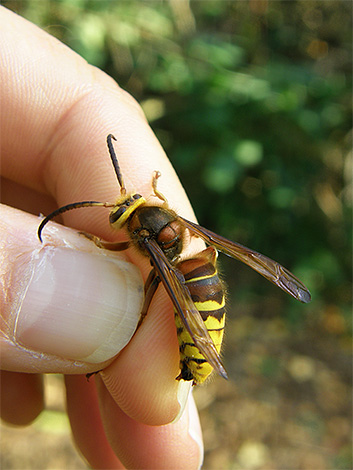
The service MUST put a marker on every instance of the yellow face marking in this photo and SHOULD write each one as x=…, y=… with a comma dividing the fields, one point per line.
x=119, y=223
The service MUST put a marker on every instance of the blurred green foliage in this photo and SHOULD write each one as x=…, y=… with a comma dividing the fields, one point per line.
x=253, y=98
x=252, y=102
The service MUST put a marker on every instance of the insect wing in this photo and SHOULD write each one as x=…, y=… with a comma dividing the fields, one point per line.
x=185, y=307
x=265, y=266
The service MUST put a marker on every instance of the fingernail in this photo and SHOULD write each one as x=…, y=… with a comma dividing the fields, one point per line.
x=195, y=428
x=77, y=305
x=184, y=388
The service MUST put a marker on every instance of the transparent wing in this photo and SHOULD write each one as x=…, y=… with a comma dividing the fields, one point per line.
x=271, y=270
x=184, y=306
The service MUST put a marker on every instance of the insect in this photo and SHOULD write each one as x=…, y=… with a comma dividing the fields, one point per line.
x=193, y=284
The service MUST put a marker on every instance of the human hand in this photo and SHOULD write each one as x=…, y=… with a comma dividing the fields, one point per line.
x=56, y=113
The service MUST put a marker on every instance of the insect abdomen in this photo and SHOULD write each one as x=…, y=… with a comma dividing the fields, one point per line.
x=206, y=290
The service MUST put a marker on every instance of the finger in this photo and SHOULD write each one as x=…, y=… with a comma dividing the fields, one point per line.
x=48, y=338
x=22, y=398
x=174, y=446
x=24, y=198
x=86, y=423
x=69, y=161
x=151, y=359
x=55, y=319
x=57, y=145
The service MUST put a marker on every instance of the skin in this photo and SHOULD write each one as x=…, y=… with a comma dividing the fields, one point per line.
x=56, y=113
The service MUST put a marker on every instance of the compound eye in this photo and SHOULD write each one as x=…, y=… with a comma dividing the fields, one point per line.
x=115, y=215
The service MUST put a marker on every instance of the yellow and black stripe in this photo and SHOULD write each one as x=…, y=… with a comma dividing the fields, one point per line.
x=158, y=232
x=207, y=292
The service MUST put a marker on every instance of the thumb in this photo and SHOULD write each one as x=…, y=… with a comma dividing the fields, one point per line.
x=66, y=305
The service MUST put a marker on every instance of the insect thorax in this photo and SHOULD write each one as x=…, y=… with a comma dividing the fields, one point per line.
x=162, y=225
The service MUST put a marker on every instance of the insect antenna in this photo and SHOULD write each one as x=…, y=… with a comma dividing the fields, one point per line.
x=116, y=164
x=68, y=207
x=77, y=205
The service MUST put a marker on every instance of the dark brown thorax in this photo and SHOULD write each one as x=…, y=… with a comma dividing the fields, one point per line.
x=162, y=225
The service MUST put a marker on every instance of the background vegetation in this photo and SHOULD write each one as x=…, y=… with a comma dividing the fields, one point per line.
x=252, y=102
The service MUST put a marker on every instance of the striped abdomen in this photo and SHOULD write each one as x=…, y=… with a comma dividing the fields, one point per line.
x=207, y=292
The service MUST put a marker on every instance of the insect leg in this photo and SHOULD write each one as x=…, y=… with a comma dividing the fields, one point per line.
x=151, y=285
x=156, y=175
x=112, y=246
